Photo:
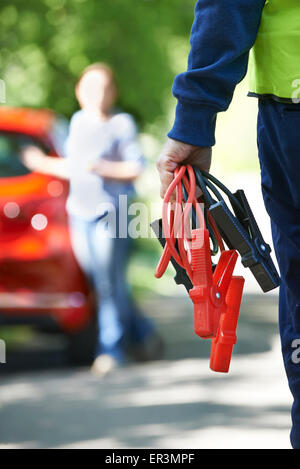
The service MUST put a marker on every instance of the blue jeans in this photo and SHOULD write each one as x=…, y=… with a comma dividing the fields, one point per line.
x=104, y=259
x=278, y=144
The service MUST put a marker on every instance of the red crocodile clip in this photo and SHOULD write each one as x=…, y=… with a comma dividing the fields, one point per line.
x=217, y=297
x=222, y=344
x=209, y=292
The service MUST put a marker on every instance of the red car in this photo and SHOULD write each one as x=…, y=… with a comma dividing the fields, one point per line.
x=40, y=281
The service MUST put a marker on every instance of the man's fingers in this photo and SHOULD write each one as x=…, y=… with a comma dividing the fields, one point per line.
x=166, y=168
x=165, y=179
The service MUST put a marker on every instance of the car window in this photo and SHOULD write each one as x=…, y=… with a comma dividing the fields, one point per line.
x=10, y=149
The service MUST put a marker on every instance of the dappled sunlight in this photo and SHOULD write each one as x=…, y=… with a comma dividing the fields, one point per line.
x=236, y=149
x=176, y=403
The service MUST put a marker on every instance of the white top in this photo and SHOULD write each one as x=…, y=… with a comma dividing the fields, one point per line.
x=89, y=140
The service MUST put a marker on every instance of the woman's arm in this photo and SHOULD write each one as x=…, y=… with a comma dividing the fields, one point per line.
x=35, y=160
x=124, y=171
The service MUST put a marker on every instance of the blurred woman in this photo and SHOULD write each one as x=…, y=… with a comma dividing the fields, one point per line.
x=102, y=161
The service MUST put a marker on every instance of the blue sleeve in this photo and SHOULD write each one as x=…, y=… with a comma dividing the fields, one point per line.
x=222, y=35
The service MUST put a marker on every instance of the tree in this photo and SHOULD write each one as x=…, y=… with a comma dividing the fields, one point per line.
x=45, y=44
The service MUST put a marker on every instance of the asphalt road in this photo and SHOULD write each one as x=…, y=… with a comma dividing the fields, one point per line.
x=173, y=403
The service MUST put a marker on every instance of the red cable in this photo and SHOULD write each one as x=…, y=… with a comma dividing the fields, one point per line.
x=176, y=225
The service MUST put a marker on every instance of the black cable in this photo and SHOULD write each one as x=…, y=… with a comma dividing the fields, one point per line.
x=213, y=189
x=194, y=216
x=201, y=183
x=233, y=200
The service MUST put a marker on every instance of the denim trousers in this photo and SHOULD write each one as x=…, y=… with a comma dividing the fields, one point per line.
x=278, y=136
x=104, y=259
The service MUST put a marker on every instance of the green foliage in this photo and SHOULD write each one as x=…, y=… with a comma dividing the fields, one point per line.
x=45, y=44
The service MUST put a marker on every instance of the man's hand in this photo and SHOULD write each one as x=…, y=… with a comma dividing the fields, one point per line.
x=175, y=153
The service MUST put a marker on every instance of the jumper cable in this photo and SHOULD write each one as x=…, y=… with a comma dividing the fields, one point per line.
x=190, y=233
x=216, y=293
